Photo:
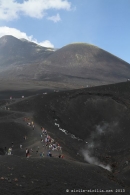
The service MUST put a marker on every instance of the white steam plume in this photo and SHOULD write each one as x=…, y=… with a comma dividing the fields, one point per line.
x=92, y=160
x=94, y=142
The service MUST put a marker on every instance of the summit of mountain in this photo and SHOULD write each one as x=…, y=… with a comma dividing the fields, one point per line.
x=85, y=55
x=16, y=51
x=73, y=66
x=88, y=64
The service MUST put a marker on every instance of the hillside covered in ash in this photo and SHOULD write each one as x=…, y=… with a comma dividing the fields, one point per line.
x=92, y=127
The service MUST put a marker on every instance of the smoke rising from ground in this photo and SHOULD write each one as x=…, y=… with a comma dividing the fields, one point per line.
x=93, y=160
x=102, y=129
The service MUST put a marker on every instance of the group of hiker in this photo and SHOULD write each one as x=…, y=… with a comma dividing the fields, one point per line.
x=49, y=144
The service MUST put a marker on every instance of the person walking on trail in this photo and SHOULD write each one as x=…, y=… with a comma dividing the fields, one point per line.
x=20, y=146
x=37, y=150
x=40, y=154
x=49, y=154
x=61, y=156
x=45, y=140
x=9, y=151
x=29, y=124
x=43, y=130
x=26, y=152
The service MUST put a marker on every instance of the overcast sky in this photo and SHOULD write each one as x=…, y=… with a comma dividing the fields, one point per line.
x=56, y=23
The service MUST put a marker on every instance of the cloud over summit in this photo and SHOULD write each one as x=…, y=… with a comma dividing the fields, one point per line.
x=4, y=30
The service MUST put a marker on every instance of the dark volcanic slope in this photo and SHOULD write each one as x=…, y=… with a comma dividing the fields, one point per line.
x=74, y=66
x=99, y=116
x=52, y=176
x=84, y=61
x=16, y=55
x=18, y=52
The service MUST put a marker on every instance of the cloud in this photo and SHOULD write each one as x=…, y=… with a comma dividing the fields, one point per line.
x=14, y=32
x=55, y=18
x=11, y=9
x=46, y=43
x=18, y=34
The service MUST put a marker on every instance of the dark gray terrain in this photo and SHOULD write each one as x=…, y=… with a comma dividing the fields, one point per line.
x=92, y=127
x=26, y=65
